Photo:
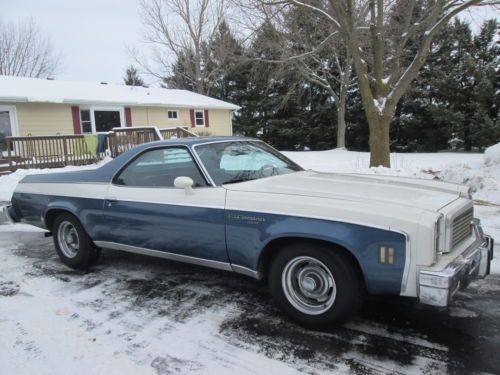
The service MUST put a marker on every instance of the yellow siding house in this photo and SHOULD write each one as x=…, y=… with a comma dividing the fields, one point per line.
x=30, y=106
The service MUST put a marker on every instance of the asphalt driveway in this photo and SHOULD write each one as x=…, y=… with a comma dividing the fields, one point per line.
x=133, y=313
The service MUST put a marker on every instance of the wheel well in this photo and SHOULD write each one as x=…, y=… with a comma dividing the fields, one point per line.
x=273, y=247
x=51, y=215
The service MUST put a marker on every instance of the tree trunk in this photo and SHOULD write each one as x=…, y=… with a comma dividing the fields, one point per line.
x=341, y=125
x=380, y=154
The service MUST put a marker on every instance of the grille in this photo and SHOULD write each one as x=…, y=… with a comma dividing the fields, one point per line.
x=462, y=227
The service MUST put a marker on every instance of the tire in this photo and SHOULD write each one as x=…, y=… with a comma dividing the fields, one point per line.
x=73, y=245
x=315, y=285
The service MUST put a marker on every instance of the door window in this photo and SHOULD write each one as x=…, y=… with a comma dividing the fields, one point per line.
x=159, y=168
x=5, y=128
x=105, y=121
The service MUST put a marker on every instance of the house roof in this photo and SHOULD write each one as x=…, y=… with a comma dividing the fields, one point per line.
x=35, y=90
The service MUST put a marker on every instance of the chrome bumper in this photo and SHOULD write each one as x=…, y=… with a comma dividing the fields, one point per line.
x=7, y=214
x=437, y=288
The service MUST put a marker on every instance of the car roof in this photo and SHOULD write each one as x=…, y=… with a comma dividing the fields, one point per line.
x=199, y=140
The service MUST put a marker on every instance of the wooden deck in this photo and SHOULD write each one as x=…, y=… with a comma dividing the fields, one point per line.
x=57, y=151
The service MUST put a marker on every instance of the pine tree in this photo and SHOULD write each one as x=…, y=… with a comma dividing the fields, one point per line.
x=132, y=77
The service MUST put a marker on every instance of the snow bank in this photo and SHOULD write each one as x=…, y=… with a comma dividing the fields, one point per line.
x=492, y=155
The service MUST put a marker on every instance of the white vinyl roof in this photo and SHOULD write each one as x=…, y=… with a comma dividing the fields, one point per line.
x=35, y=90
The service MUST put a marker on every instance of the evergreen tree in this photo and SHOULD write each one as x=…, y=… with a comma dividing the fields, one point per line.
x=453, y=103
x=132, y=77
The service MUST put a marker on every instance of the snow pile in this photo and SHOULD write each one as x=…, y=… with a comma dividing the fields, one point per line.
x=492, y=155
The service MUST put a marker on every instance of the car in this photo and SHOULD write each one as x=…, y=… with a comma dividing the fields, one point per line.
x=322, y=241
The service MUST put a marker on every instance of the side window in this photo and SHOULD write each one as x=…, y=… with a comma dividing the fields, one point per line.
x=159, y=168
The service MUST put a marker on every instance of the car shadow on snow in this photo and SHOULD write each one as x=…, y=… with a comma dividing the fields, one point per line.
x=388, y=335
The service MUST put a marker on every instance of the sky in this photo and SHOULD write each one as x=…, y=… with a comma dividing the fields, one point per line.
x=92, y=35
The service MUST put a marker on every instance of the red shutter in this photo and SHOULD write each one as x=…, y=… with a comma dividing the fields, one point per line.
x=128, y=117
x=77, y=127
x=206, y=119
x=191, y=114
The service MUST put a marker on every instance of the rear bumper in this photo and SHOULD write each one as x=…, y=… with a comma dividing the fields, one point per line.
x=8, y=214
x=437, y=288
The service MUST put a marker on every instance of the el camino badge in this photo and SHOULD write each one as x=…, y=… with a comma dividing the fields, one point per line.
x=247, y=218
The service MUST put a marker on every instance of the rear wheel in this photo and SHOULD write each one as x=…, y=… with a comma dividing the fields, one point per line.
x=73, y=244
x=314, y=284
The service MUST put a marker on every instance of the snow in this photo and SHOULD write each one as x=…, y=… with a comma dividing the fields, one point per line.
x=380, y=104
x=492, y=155
x=21, y=89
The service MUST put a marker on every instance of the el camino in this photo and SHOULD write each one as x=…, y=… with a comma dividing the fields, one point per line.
x=321, y=240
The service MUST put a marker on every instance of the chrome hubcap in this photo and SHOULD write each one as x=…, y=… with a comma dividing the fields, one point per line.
x=68, y=240
x=309, y=285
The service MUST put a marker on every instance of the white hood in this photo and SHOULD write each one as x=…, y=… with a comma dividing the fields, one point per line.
x=410, y=192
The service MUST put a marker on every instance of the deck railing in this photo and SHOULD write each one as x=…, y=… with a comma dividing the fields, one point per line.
x=52, y=151
x=56, y=151
x=177, y=132
x=123, y=139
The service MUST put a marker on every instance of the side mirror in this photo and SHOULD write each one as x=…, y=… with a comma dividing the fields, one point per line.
x=185, y=183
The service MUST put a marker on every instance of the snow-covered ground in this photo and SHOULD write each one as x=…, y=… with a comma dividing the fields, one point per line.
x=133, y=314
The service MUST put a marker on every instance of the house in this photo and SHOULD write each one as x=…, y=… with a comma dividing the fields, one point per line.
x=31, y=106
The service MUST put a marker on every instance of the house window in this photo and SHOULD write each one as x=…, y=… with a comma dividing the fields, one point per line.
x=85, y=121
x=172, y=115
x=199, y=118
x=105, y=121
x=95, y=119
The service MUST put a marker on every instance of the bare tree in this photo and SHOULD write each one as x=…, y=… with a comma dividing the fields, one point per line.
x=389, y=41
x=181, y=31
x=303, y=47
x=25, y=51
x=329, y=65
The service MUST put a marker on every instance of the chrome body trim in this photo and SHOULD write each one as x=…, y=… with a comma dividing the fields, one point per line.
x=191, y=151
x=437, y=288
x=165, y=255
x=247, y=271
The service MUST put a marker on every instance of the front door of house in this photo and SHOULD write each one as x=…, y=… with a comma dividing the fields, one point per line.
x=7, y=126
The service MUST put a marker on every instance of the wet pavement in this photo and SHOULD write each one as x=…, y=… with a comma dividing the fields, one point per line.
x=390, y=335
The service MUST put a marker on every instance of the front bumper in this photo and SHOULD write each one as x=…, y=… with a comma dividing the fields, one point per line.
x=437, y=288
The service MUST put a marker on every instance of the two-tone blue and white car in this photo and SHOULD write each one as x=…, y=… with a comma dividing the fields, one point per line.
x=322, y=240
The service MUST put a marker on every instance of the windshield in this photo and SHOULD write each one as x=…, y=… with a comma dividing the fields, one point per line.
x=238, y=161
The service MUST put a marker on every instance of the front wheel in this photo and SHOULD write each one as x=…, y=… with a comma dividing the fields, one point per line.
x=315, y=285
x=73, y=245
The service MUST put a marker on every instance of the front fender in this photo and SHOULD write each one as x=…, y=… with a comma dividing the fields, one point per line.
x=248, y=234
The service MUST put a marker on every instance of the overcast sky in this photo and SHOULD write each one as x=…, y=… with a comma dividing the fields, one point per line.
x=92, y=35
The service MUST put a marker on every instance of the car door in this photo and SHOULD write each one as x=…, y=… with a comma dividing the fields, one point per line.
x=145, y=213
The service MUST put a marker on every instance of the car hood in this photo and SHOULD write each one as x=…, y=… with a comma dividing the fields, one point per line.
x=401, y=191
